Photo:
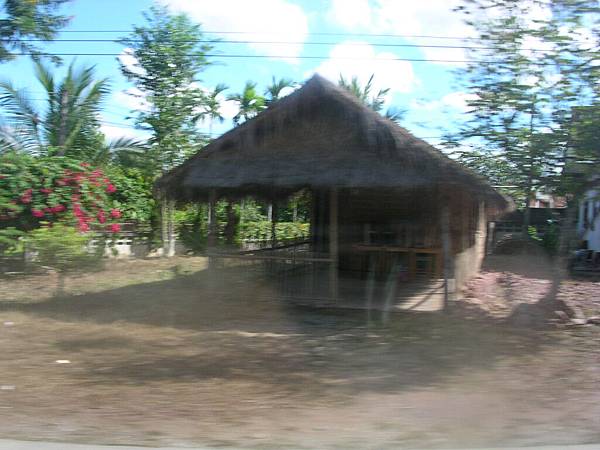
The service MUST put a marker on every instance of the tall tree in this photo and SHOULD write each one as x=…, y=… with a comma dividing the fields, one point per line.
x=169, y=56
x=375, y=101
x=274, y=91
x=249, y=101
x=23, y=20
x=212, y=106
x=68, y=124
x=523, y=89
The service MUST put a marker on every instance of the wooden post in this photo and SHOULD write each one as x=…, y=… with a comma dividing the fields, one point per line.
x=273, y=211
x=446, y=251
x=211, y=241
x=313, y=220
x=333, y=244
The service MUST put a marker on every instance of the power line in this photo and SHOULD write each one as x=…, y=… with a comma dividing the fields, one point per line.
x=224, y=41
x=274, y=33
x=240, y=56
x=339, y=34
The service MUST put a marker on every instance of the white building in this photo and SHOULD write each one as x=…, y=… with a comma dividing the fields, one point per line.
x=588, y=222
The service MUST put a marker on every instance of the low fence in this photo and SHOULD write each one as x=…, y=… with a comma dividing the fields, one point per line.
x=291, y=267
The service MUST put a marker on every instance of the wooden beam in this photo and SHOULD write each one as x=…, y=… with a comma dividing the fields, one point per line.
x=211, y=241
x=446, y=251
x=333, y=244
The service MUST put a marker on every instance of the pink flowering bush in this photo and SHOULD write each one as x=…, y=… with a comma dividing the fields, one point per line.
x=55, y=189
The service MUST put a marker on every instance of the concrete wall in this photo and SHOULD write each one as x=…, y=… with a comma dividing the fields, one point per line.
x=468, y=261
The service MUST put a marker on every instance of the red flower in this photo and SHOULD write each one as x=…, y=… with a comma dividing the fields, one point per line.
x=58, y=208
x=45, y=190
x=84, y=164
x=115, y=213
x=26, y=196
x=111, y=189
x=77, y=212
x=37, y=213
x=114, y=227
x=83, y=227
x=101, y=216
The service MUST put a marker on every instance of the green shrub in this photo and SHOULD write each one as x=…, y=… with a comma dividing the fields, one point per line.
x=262, y=230
x=63, y=248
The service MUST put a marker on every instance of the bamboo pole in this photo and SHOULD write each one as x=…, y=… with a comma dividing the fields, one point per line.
x=333, y=244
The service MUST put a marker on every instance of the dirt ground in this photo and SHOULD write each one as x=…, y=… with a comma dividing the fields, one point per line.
x=161, y=353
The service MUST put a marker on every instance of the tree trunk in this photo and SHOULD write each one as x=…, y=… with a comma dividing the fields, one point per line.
x=168, y=227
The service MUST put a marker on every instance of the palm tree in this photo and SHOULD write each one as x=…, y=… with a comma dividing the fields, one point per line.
x=249, y=101
x=213, y=106
x=375, y=102
x=273, y=91
x=67, y=126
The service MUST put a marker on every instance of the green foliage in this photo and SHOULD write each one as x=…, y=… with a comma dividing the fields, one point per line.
x=373, y=101
x=249, y=101
x=10, y=241
x=533, y=233
x=133, y=196
x=549, y=240
x=274, y=90
x=283, y=230
x=51, y=189
x=169, y=55
x=67, y=126
x=62, y=247
x=25, y=19
x=525, y=79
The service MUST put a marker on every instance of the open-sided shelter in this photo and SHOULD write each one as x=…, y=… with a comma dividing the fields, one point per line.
x=385, y=205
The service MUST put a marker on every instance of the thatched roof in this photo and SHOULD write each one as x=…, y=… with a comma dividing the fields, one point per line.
x=320, y=136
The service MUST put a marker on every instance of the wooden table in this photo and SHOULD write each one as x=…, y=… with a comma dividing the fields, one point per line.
x=410, y=251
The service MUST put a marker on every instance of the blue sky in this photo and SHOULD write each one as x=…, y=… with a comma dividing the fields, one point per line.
x=342, y=32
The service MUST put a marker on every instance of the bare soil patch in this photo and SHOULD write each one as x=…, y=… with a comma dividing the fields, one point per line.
x=166, y=356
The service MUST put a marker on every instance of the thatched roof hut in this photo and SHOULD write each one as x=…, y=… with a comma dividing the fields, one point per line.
x=319, y=137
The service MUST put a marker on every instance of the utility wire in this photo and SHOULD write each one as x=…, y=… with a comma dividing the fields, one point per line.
x=241, y=56
x=223, y=41
x=273, y=33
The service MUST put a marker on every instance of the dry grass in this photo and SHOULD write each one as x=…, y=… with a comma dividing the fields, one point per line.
x=165, y=357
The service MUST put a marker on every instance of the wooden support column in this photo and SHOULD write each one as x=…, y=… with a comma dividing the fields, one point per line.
x=211, y=241
x=333, y=244
x=446, y=251
x=313, y=220
x=273, y=210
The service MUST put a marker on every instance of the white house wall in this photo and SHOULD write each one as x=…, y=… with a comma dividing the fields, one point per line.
x=591, y=234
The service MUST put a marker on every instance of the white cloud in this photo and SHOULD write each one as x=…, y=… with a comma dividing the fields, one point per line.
x=129, y=61
x=454, y=100
x=228, y=108
x=361, y=60
x=351, y=13
x=132, y=99
x=534, y=47
x=406, y=18
x=113, y=132
x=267, y=20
